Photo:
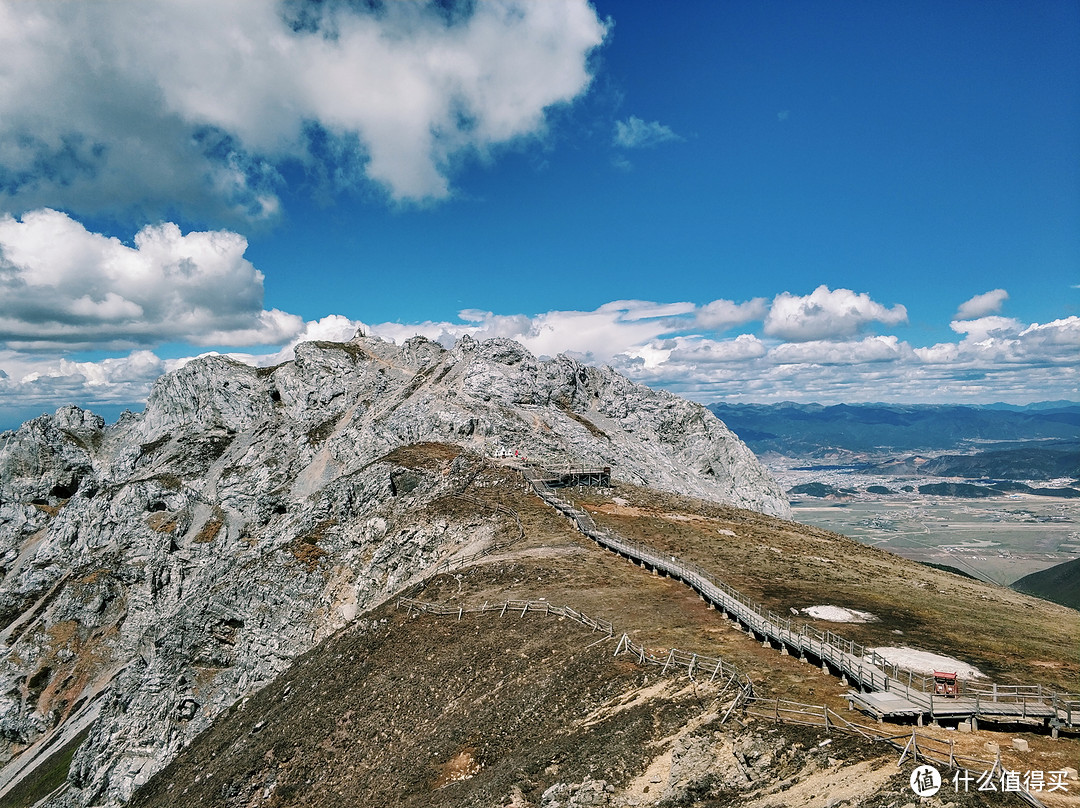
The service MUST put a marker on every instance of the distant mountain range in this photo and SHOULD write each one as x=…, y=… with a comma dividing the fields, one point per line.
x=1047, y=460
x=814, y=430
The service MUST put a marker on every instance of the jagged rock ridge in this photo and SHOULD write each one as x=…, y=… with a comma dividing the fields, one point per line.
x=355, y=401
x=158, y=569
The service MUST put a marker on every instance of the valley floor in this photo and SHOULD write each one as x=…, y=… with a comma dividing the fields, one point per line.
x=998, y=539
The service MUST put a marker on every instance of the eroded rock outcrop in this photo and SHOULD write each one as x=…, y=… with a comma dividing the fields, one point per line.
x=157, y=570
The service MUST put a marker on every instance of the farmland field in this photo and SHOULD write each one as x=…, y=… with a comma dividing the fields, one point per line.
x=999, y=539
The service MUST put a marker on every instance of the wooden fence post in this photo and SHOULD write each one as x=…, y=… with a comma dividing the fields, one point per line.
x=670, y=656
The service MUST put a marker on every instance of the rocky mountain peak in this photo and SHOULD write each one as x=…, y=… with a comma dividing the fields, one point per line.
x=362, y=398
x=158, y=569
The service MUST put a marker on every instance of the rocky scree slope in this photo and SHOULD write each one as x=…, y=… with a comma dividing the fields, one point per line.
x=157, y=570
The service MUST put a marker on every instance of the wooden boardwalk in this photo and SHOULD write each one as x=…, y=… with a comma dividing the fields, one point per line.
x=884, y=690
x=562, y=476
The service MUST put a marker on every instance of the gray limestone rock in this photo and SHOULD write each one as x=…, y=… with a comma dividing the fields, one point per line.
x=158, y=570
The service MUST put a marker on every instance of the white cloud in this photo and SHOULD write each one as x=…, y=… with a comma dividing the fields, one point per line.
x=655, y=343
x=53, y=382
x=634, y=133
x=333, y=328
x=63, y=287
x=992, y=342
x=942, y=353
x=632, y=310
x=195, y=104
x=827, y=314
x=723, y=314
x=982, y=305
x=1064, y=333
x=828, y=352
x=597, y=335
x=989, y=326
x=696, y=350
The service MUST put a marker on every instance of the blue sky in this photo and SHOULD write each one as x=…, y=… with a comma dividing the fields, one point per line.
x=751, y=201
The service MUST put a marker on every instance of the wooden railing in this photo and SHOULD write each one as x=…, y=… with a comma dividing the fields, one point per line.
x=709, y=668
x=914, y=745
x=857, y=662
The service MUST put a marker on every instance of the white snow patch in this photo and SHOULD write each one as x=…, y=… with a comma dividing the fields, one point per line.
x=838, y=614
x=927, y=662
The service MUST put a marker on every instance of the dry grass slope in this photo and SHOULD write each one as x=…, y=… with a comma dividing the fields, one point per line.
x=428, y=711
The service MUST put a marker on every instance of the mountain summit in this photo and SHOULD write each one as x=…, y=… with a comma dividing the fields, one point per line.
x=157, y=570
x=345, y=404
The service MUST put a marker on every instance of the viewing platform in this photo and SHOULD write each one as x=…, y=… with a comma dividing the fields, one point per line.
x=567, y=474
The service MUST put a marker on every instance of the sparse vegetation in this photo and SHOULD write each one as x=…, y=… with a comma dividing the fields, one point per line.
x=154, y=445
x=355, y=352
x=46, y=778
x=209, y=531
x=585, y=422
x=1060, y=584
x=168, y=481
x=317, y=434
x=814, y=490
x=785, y=565
x=423, y=456
x=966, y=490
x=305, y=548
x=266, y=372
x=424, y=711
x=163, y=522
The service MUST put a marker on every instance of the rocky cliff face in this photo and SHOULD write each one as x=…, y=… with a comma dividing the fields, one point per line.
x=159, y=569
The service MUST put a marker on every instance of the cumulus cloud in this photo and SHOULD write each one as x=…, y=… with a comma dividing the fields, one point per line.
x=64, y=287
x=827, y=314
x=828, y=352
x=634, y=133
x=982, y=305
x=49, y=384
x=657, y=344
x=721, y=315
x=697, y=350
x=994, y=342
x=596, y=335
x=198, y=104
x=1064, y=333
x=989, y=326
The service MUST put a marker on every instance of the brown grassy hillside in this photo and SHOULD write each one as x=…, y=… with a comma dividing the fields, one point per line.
x=418, y=710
